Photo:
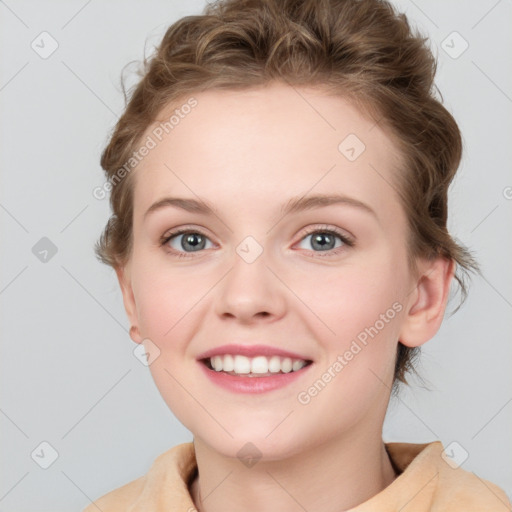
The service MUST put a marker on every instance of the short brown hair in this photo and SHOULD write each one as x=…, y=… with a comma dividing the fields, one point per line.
x=359, y=49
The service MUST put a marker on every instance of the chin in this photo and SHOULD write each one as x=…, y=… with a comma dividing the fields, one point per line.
x=253, y=443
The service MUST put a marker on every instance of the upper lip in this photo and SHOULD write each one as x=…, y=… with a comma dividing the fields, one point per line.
x=250, y=351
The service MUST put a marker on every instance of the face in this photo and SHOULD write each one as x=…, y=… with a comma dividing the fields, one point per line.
x=267, y=265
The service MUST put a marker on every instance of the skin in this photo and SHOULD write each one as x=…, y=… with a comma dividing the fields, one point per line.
x=247, y=153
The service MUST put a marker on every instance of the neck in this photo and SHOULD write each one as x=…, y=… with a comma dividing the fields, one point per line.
x=331, y=477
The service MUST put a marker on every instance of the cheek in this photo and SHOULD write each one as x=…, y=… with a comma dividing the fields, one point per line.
x=358, y=313
x=159, y=311
x=349, y=300
x=361, y=315
x=165, y=309
x=169, y=312
x=173, y=302
x=166, y=298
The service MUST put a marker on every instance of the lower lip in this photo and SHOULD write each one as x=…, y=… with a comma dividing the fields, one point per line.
x=245, y=384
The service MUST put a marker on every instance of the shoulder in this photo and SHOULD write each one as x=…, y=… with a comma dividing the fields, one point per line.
x=168, y=473
x=467, y=490
x=438, y=476
x=119, y=499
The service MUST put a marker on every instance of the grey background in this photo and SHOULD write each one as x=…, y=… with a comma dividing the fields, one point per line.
x=68, y=373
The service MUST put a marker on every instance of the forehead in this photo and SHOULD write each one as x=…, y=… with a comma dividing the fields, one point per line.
x=263, y=145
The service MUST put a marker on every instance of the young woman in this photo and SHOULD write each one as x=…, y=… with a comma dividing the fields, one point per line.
x=279, y=191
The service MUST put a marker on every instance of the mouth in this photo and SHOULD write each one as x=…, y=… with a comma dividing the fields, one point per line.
x=259, y=366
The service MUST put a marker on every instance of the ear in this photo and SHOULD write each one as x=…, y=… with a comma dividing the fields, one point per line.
x=123, y=276
x=425, y=310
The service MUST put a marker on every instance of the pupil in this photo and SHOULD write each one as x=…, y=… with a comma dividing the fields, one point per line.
x=317, y=240
x=189, y=239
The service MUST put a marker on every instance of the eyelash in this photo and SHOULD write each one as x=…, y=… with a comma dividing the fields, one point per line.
x=347, y=242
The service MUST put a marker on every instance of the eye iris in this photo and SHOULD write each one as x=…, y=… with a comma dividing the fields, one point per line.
x=191, y=239
x=317, y=239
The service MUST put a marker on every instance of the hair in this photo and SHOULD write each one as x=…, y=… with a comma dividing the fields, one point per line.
x=362, y=50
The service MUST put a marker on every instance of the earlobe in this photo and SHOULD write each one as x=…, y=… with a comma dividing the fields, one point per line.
x=426, y=308
x=129, y=302
x=135, y=334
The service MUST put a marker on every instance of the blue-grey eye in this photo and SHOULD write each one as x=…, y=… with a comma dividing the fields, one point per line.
x=323, y=241
x=189, y=241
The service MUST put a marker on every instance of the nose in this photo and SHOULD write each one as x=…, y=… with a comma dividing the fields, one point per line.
x=250, y=292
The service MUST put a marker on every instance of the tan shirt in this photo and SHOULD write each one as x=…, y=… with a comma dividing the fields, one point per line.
x=426, y=482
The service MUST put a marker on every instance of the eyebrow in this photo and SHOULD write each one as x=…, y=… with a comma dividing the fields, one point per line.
x=294, y=205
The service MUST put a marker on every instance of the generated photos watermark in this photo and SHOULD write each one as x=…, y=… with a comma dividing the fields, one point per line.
x=342, y=360
x=151, y=142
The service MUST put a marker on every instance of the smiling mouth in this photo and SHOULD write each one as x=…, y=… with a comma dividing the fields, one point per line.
x=259, y=366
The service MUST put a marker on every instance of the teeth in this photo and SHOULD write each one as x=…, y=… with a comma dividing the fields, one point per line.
x=286, y=365
x=242, y=364
x=216, y=363
x=297, y=365
x=228, y=363
x=274, y=365
x=237, y=364
x=259, y=365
